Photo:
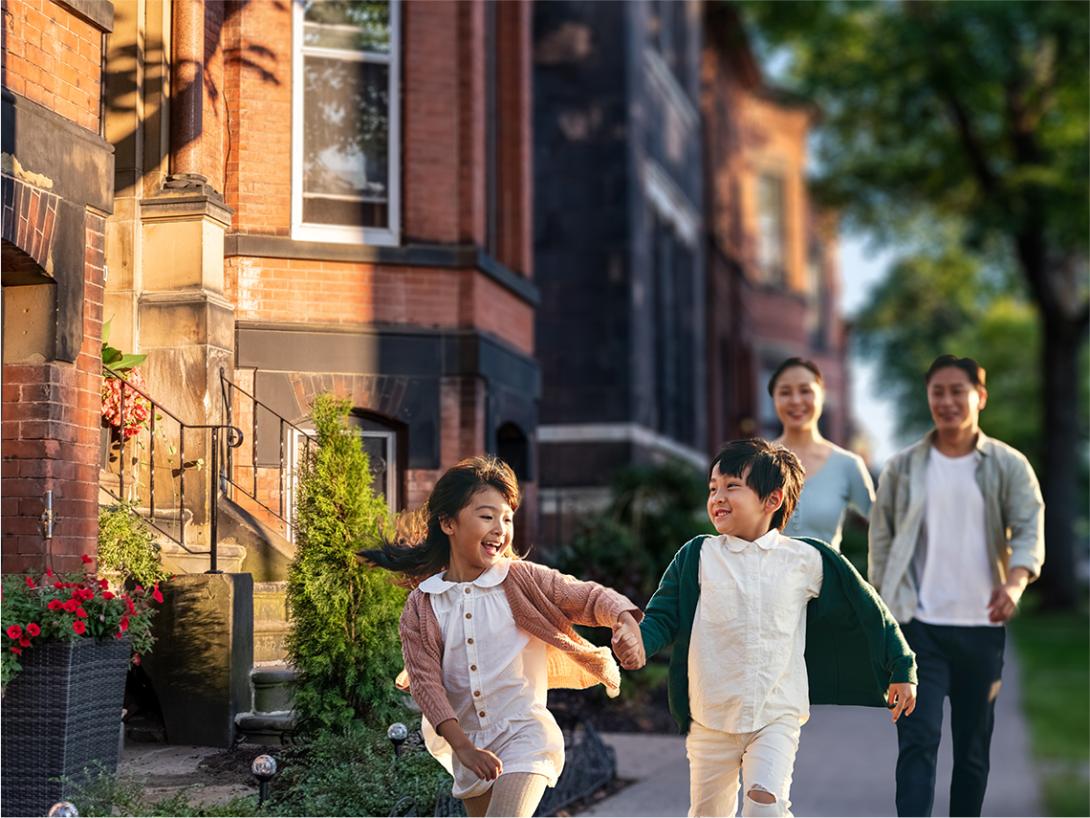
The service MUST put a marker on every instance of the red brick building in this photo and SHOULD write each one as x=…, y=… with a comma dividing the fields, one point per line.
x=57, y=186
x=773, y=276
x=305, y=197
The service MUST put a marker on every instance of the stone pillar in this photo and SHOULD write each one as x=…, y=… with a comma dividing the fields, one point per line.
x=187, y=105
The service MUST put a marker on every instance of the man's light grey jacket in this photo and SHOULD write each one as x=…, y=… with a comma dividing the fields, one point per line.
x=1013, y=518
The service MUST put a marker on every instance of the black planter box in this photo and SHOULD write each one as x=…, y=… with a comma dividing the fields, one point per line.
x=61, y=715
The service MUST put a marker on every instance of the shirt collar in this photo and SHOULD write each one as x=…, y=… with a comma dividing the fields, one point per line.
x=765, y=542
x=436, y=584
x=983, y=445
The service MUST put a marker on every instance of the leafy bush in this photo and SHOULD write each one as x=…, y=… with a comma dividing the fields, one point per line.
x=126, y=546
x=344, y=615
x=354, y=772
x=98, y=793
x=654, y=510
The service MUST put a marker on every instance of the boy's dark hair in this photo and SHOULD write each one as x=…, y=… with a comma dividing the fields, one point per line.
x=770, y=467
x=970, y=367
x=791, y=362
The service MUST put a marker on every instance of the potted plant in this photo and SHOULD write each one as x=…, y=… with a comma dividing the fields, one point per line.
x=67, y=641
x=124, y=411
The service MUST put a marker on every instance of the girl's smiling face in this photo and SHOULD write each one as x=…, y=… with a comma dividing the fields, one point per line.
x=480, y=534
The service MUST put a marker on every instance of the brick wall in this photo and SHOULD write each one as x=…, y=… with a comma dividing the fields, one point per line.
x=53, y=58
x=51, y=433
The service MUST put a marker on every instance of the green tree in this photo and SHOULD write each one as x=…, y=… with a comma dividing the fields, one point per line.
x=975, y=112
x=344, y=641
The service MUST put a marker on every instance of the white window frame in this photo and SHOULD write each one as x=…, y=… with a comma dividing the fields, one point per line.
x=296, y=449
x=347, y=234
x=768, y=273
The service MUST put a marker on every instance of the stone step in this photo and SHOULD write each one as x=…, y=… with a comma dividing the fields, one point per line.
x=265, y=728
x=270, y=641
x=271, y=601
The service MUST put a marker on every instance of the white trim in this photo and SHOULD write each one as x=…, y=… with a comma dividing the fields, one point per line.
x=589, y=500
x=347, y=234
x=669, y=201
x=619, y=432
x=676, y=97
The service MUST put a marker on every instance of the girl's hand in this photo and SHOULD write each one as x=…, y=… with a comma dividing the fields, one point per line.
x=901, y=697
x=484, y=763
x=628, y=642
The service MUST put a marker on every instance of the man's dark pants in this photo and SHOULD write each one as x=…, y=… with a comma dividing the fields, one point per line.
x=964, y=663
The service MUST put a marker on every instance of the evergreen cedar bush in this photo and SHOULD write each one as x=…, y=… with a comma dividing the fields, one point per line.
x=653, y=511
x=127, y=548
x=344, y=640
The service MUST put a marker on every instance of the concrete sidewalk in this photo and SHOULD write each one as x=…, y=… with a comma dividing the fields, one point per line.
x=845, y=765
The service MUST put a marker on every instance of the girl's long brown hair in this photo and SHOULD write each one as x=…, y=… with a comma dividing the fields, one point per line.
x=419, y=547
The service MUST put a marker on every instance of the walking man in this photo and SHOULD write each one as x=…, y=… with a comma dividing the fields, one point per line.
x=956, y=534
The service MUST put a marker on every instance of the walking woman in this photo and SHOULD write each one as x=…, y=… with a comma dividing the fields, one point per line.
x=836, y=479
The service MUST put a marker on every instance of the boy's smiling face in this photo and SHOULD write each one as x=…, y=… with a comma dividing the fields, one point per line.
x=736, y=509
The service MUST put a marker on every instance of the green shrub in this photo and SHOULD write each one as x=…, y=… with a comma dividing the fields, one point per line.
x=99, y=793
x=653, y=511
x=126, y=546
x=344, y=615
x=354, y=772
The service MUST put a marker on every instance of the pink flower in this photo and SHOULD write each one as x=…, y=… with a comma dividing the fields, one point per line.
x=136, y=658
x=33, y=629
x=79, y=627
x=14, y=632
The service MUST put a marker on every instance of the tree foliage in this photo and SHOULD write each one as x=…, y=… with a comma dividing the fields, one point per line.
x=344, y=640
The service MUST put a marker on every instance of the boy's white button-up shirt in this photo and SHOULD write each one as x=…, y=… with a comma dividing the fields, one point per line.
x=746, y=664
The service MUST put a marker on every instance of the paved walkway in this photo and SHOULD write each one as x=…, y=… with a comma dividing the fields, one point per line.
x=844, y=767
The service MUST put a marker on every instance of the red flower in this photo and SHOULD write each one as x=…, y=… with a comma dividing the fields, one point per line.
x=55, y=605
x=30, y=583
x=79, y=627
x=136, y=658
x=16, y=651
x=82, y=614
x=103, y=584
x=86, y=560
x=33, y=629
x=85, y=593
x=139, y=589
x=119, y=635
x=71, y=605
x=129, y=605
x=123, y=625
x=156, y=594
x=59, y=586
x=49, y=572
x=24, y=642
x=14, y=632
x=107, y=595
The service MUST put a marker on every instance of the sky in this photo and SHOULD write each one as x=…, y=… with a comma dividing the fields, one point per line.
x=860, y=268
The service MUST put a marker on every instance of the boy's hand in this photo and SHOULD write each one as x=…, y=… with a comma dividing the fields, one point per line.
x=484, y=763
x=628, y=643
x=902, y=699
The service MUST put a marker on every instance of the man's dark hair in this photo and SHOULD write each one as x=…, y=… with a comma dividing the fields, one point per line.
x=766, y=467
x=969, y=366
x=788, y=364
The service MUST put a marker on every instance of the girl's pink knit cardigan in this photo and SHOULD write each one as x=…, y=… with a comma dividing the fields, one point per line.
x=545, y=604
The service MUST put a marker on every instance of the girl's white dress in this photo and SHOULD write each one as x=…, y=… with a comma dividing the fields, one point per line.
x=496, y=680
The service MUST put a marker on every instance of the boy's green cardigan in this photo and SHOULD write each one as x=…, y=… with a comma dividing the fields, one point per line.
x=854, y=649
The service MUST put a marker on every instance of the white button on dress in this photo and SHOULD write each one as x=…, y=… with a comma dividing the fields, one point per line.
x=496, y=679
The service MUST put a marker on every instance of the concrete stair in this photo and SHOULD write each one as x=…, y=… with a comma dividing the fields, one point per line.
x=272, y=715
x=271, y=626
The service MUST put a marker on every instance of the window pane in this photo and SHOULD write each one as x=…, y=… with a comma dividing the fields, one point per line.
x=354, y=25
x=345, y=142
x=378, y=455
x=770, y=227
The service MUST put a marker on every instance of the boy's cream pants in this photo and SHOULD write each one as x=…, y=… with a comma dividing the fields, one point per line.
x=765, y=757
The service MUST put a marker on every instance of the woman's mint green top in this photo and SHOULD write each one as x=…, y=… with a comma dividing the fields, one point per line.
x=842, y=482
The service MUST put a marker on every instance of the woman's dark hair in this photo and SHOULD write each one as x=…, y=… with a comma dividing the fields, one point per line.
x=770, y=467
x=420, y=547
x=970, y=367
x=790, y=362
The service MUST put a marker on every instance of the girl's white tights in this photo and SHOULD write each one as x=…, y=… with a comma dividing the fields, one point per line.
x=515, y=795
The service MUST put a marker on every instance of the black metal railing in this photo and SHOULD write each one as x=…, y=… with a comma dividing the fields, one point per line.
x=144, y=425
x=281, y=452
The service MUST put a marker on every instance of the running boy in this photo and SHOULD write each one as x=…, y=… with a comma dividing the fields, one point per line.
x=763, y=625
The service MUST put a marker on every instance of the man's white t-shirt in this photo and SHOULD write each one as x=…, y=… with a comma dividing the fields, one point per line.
x=952, y=565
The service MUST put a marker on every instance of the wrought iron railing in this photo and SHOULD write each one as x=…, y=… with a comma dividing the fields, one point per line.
x=145, y=426
x=243, y=471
